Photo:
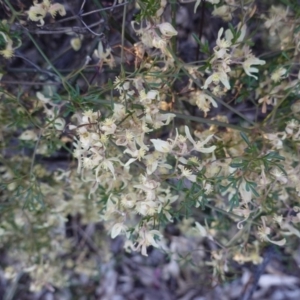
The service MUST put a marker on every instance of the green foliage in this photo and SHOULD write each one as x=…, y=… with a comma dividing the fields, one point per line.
x=84, y=149
x=148, y=9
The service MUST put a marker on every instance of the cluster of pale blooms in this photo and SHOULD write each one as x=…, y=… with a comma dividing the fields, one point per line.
x=129, y=173
x=100, y=140
x=133, y=192
x=227, y=52
x=39, y=10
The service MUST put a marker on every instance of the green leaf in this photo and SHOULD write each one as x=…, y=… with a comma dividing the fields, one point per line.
x=285, y=55
x=274, y=155
x=204, y=46
x=237, y=165
x=252, y=186
x=245, y=138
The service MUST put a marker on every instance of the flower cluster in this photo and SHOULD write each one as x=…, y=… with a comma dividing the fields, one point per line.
x=139, y=167
x=150, y=37
x=38, y=11
x=145, y=193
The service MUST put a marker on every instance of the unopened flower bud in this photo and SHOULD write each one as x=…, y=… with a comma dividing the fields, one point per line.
x=59, y=123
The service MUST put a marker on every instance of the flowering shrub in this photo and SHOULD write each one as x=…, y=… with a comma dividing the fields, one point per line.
x=143, y=162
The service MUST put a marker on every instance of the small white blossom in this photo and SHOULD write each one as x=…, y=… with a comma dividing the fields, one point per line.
x=216, y=77
x=264, y=231
x=247, y=65
x=278, y=74
x=146, y=238
x=199, y=146
x=164, y=146
x=187, y=173
x=167, y=29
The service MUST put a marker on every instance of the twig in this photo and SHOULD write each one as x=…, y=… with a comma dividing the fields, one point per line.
x=44, y=56
x=29, y=82
x=86, y=26
x=211, y=122
x=122, y=40
x=268, y=255
x=200, y=28
x=75, y=29
x=91, y=12
x=50, y=74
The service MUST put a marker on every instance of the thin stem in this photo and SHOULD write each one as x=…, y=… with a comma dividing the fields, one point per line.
x=44, y=56
x=122, y=41
x=272, y=114
x=173, y=17
x=211, y=122
x=201, y=24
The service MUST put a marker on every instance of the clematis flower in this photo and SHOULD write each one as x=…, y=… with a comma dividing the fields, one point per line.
x=104, y=55
x=204, y=101
x=199, y=146
x=224, y=12
x=8, y=51
x=216, y=77
x=38, y=11
x=245, y=192
x=279, y=175
x=278, y=74
x=146, y=238
x=265, y=101
x=203, y=231
x=118, y=229
x=28, y=135
x=164, y=146
x=187, y=173
x=264, y=231
x=252, y=60
x=167, y=29
x=223, y=44
x=108, y=126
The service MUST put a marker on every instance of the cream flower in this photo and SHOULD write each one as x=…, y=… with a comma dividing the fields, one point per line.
x=28, y=135
x=278, y=74
x=203, y=231
x=8, y=51
x=223, y=44
x=216, y=77
x=279, y=175
x=118, y=229
x=146, y=238
x=224, y=12
x=104, y=55
x=252, y=60
x=199, y=146
x=264, y=231
x=167, y=29
x=264, y=101
x=204, y=101
x=164, y=146
x=59, y=124
x=245, y=192
x=187, y=173
x=108, y=126
x=38, y=11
